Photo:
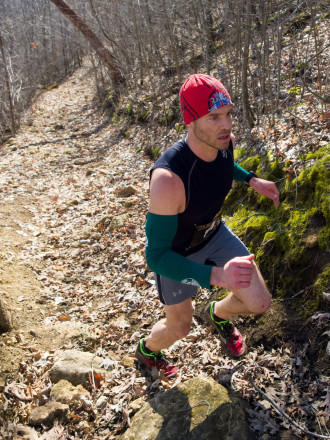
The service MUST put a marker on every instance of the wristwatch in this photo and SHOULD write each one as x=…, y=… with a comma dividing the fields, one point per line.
x=249, y=177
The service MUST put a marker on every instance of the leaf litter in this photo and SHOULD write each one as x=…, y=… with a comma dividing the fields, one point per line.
x=93, y=273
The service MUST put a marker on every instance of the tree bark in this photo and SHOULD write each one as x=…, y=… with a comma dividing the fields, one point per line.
x=109, y=60
x=9, y=94
x=245, y=64
x=206, y=33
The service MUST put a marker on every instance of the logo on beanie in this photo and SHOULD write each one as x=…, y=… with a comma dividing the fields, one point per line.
x=219, y=99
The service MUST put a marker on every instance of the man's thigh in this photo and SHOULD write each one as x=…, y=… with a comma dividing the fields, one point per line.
x=224, y=246
x=171, y=292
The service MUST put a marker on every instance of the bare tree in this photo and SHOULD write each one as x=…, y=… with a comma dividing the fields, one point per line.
x=8, y=86
x=245, y=64
x=93, y=39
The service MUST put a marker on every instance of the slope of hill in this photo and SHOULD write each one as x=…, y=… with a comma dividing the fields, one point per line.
x=74, y=185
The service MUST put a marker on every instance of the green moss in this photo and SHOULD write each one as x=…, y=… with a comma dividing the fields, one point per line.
x=179, y=128
x=129, y=109
x=240, y=150
x=294, y=90
x=150, y=98
x=322, y=283
x=278, y=237
x=171, y=114
x=298, y=22
x=152, y=152
x=314, y=296
x=301, y=104
x=251, y=163
x=323, y=239
x=143, y=116
x=310, y=188
x=116, y=119
x=322, y=154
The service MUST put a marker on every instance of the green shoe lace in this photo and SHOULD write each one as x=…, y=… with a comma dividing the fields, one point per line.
x=225, y=326
x=154, y=355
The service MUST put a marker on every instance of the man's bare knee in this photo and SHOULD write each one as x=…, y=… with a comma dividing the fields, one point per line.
x=261, y=305
x=181, y=331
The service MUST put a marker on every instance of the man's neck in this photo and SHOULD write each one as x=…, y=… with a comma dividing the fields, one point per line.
x=201, y=150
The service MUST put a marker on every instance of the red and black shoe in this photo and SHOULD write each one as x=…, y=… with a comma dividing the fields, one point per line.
x=155, y=362
x=231, y=338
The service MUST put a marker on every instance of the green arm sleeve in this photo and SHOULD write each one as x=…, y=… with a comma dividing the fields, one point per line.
x=240, y=173
x=160, y=231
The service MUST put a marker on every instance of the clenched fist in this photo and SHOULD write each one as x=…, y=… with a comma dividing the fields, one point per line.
x=236, y=273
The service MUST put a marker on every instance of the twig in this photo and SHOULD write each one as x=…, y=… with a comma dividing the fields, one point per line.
x=11, y=389
x=298, y=293
x=191, y=407
x=93, y=380
x=295, y=116
x=283, y=413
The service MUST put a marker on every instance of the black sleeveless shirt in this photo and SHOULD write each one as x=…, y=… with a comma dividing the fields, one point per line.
x=206, y=185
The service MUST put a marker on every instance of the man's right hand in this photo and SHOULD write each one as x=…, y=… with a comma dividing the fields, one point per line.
x=236, y=273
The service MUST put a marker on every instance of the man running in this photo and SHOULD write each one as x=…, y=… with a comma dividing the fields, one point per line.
x=188, y=244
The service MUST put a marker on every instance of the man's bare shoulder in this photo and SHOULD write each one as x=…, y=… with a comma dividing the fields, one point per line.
x=167, y=193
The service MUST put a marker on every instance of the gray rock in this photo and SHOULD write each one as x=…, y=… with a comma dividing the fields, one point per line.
x=45, y=415
x=76, y=367
x=65, y=392
x=199, y=409
x=126, y=191
x=112, y=221
x=69, y=332
x=6, y=322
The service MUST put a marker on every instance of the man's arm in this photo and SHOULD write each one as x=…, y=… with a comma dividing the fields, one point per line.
x=167, y=200
x=265, y=188
x=167, y=193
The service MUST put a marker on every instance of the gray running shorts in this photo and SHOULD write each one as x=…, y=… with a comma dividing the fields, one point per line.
x=224, y=246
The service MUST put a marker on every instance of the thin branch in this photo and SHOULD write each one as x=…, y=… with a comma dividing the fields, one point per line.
x=196, y=404
x=283, y=413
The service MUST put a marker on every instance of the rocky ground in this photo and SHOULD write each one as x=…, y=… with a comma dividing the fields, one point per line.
x=74, y=196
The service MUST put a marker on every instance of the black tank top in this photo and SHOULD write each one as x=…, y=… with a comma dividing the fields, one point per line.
x=206, y=186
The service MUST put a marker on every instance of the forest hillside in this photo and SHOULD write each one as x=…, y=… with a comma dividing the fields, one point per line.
x=77, y=146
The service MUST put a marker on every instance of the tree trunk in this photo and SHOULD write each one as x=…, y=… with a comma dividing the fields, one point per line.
x=206, y=33
x=9, y=94
x=94, y=40
x=245, y=65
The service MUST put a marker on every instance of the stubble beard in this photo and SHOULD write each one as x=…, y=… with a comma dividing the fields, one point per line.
x=202, y=136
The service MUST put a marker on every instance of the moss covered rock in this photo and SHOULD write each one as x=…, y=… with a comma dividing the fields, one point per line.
x=291, y=243
x=199, y=409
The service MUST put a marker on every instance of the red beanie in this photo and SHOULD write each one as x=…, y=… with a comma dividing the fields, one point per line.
x=201, y=94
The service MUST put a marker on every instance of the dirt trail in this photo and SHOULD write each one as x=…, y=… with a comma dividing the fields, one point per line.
x=74, y=195
x=57, y=117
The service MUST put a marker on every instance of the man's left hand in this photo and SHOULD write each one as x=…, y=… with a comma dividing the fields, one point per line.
x=266, y=188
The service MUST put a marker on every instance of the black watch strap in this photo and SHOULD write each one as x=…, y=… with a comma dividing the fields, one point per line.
x=249, y=177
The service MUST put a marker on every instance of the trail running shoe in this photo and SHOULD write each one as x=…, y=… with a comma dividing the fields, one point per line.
x=231, y=338
x=155, y=362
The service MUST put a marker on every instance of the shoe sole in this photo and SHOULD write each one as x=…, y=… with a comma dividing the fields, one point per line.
x=222, y=339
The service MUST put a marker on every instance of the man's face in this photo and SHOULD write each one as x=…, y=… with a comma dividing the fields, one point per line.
x=214, y=129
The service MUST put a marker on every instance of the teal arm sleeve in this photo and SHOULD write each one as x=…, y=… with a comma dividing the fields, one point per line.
x=160, y=231
x=240, y=173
